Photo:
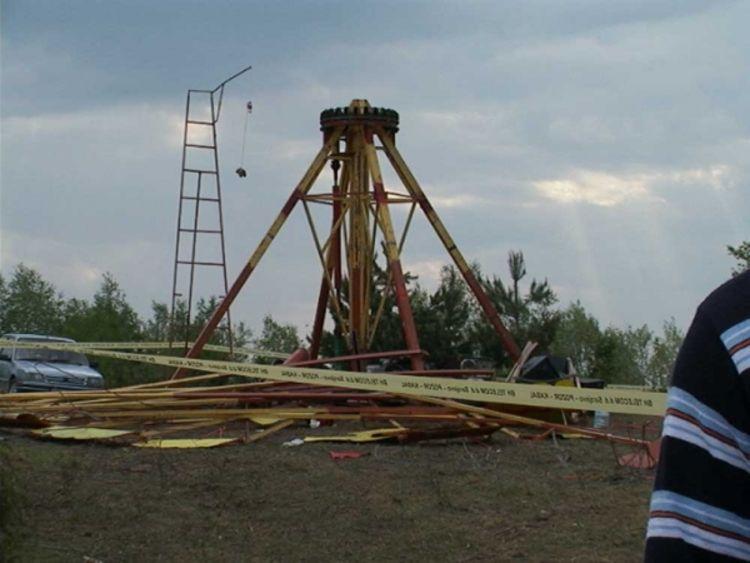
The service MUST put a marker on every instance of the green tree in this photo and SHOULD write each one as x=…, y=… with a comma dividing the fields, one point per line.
x=30, y=303
x=512, y=296
x=741, y=253
x=3, y=303
x=528, y=315
x=577, y=337
x=637, y=343
x=426, y=318
x=109, y=318
x=156, y=328
x=204, y=308
x=622, y=355
x=75, y=313
x=633, y=356
x=277, y=337
x=444, y=320
x=663, y=355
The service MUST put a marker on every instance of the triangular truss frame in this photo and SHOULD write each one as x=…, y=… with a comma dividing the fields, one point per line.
x=361, y=215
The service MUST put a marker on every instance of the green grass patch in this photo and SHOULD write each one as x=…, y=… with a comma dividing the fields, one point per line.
x=10, y=502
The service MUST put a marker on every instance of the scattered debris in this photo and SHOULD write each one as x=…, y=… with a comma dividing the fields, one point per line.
x=645, y=458
x=347, y=454
x=77, y=433
x=200, y=412
x=362, y=437
x=293, y=443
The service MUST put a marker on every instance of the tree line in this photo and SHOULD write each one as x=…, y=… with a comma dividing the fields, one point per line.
x=451, y=325
x=31, y=304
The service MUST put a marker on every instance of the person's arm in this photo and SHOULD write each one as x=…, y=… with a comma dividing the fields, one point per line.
x=700, y=507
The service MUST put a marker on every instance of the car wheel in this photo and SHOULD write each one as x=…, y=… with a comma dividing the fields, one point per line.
x=12, y=387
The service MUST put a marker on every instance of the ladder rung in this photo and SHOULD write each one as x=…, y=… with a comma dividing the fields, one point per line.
x=195, y=171
x=196, y=146
x=198, y=122
x=200, y=263
x=193, y=198
x=209, y=231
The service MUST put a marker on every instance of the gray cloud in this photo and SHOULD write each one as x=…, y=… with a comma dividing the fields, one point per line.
x=606, y=140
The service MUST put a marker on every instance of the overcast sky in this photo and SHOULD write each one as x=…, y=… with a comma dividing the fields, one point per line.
x=607, y=140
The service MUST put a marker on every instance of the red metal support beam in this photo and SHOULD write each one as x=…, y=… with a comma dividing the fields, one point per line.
x=392, y=254
x=333, y=263
x=411, y=184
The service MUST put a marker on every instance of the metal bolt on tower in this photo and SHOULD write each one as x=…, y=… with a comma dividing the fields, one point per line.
x=360, y=207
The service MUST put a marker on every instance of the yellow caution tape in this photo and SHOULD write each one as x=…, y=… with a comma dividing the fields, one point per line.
x=183, y=443
x=625, y=401
x=135, y=345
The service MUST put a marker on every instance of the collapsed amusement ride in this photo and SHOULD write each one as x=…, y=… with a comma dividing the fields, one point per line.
x=238, y=401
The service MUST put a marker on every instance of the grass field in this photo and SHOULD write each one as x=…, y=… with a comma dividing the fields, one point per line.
x=502, y=499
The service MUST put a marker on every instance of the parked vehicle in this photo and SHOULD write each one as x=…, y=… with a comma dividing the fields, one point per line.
x=43, y=369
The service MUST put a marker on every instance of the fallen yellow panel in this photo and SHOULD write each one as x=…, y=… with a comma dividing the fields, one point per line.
x=77, y=433
x=264, y=420
x=185, y=443
x=365, y=436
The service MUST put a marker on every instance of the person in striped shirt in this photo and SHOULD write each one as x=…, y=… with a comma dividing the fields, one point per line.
x=700, y=506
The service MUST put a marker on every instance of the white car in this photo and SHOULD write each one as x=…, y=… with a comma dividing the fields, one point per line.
x=44, y=369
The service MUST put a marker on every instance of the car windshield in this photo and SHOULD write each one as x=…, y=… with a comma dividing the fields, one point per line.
x=51, y=356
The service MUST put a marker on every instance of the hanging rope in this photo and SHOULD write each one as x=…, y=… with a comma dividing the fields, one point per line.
x=241, y=172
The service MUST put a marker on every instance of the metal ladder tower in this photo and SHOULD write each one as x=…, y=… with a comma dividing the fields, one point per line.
x=200, y=182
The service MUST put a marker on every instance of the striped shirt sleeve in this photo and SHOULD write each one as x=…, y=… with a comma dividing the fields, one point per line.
x=700, y=506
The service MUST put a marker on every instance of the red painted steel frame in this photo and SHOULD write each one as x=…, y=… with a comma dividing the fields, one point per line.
x=333, y=263
x=399, y=165
x=399, y=283
x=356, y=127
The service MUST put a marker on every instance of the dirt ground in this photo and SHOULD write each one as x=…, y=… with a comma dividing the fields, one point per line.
x=503, y=499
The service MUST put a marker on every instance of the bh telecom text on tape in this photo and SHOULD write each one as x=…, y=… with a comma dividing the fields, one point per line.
x=624, y=401
x=62, y=345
